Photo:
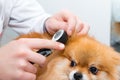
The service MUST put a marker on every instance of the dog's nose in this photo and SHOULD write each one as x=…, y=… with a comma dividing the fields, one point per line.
x=78, y=76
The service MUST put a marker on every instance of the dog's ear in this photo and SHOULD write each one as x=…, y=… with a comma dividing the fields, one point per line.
x=35, y=35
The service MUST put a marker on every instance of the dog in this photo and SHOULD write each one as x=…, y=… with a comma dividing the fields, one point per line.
x=84, y=58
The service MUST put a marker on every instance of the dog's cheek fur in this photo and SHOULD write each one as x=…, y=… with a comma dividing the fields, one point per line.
x=115, y=71
x=118, y=73
x=102, y=76
x=117, y=66
x=57, y=69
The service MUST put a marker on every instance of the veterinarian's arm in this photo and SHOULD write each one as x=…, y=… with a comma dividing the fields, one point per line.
x=25, y=16
x=15, y=58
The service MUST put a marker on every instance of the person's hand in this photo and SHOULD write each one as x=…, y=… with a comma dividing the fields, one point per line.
x=66, y=21
x=15, y=58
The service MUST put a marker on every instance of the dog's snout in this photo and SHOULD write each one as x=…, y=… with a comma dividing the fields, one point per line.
x=78, y=76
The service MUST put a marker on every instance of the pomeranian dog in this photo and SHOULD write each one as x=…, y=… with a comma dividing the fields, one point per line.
x=83, y=58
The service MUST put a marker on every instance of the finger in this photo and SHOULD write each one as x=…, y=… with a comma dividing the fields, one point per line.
x=26, y=65
x=36, y=58
x=30, y=68
x=79, y=25
x=85, y=29
x=71, y=21
x=56, y=25
x=27, y=76
x=81, y=28
x=59, y=25
x=41, y=43
x=71, y=26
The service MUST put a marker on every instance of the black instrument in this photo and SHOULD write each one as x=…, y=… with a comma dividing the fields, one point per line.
x=59, y=36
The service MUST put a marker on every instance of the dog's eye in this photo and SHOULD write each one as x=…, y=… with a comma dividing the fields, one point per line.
x=73, y=63
x=93, y=70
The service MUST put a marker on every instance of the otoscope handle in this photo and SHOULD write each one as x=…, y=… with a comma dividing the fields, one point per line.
x=59, y=36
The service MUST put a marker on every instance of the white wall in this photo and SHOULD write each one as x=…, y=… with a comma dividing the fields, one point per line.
x=96, y=13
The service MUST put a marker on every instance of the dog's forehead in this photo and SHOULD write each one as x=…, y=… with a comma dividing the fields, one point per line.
x=83, y=44
x=86, y=48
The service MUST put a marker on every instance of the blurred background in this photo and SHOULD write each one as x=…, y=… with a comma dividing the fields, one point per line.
x=97, y=13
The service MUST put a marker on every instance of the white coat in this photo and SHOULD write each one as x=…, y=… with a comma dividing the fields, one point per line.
x=23, y=16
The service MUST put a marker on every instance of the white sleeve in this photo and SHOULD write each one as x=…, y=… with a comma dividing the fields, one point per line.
x=27, y=16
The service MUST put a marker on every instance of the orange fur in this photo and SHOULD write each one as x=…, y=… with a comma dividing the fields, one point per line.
x=86, y=52
x=117, y=27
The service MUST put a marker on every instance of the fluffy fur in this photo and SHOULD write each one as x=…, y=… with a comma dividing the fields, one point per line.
x=117, y=28
x=83, y=58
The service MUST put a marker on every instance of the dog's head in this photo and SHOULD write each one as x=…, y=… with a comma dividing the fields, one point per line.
x=84, y=58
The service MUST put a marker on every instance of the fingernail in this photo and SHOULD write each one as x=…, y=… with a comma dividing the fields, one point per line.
x=43, y=61
x=62, y=46
x=69, y=32
x=78, y=30
x=42, y=65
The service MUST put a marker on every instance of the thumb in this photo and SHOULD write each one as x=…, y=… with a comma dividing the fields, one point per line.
x=55, y=25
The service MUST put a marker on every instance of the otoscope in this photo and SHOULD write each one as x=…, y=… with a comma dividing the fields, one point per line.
x=59, y=36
